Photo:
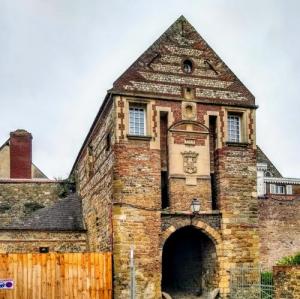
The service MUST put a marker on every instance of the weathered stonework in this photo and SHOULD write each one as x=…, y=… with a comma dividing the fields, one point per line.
x=211, y=219
x=181, y=193
x=17, y=241
x=95, y=185
x=287, y=282
x=279, y=229
x=136, y=228
x=19, y=198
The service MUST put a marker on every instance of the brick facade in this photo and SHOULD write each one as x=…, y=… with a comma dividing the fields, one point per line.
x=121, y=187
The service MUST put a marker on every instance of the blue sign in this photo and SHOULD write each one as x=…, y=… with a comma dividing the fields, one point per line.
x=6, y=284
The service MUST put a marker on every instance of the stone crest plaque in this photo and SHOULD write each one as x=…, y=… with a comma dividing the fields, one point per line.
x=189, y=162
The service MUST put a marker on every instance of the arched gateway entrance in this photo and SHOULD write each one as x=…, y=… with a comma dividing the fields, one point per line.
x=189, y=263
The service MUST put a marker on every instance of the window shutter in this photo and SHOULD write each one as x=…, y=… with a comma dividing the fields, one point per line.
x=289, y=189
x=272, y=189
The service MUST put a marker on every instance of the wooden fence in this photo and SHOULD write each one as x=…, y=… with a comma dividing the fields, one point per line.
x=57, y=275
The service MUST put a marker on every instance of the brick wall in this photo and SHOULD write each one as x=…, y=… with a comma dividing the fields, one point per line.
x=20, y=146
x=279, y=229
x=287, y=282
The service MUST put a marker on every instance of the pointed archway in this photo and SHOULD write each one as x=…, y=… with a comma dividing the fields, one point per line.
x=189, y=263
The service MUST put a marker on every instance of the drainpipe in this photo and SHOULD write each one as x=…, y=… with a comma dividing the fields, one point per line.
x=132, y=274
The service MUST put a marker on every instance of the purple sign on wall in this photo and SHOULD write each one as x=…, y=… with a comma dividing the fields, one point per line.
x=6, y=284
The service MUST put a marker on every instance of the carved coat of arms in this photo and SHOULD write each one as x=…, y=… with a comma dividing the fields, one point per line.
x=189, y=162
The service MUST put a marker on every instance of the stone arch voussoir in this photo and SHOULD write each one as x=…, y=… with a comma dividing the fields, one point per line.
x=213, y=234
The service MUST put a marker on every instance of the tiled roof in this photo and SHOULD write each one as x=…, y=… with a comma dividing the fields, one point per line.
x=64, y=215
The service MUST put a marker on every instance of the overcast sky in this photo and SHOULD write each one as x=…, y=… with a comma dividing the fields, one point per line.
x=59, y=57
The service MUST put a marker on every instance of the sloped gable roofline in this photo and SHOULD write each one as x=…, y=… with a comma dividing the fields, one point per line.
x=157, y=47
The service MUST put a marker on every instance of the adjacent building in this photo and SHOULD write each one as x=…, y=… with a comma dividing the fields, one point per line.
x=16, y=157
x=279, y=212
x=270, y=182
x=37, y=214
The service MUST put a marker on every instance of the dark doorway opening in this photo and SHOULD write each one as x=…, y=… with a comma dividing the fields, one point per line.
x=188, y=263
x=164, y=160
x=164, y=190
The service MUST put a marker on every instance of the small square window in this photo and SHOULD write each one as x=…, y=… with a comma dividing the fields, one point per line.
x=137, y=120
x=234, y=128
x=280, y=189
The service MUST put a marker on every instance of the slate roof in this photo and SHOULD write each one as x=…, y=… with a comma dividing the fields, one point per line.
x=64, y=215
x=262, y=158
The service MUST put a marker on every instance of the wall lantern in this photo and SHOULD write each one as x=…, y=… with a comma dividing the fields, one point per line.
x=195, y=206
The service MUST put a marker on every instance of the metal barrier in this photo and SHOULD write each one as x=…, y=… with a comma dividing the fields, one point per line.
x=251, y=282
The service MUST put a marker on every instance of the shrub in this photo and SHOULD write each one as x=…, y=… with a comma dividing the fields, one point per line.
x=266, y=288
x=266, y=277
x=292, y=260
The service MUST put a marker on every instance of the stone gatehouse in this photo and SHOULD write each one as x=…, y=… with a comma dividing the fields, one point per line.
x=177, y=127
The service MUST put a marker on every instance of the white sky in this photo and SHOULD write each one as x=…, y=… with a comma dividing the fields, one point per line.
x=58, y=58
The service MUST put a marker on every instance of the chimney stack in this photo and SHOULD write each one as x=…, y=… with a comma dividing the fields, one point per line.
x=20, y=154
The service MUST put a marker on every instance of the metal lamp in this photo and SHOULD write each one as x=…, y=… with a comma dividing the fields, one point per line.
x=195, y=206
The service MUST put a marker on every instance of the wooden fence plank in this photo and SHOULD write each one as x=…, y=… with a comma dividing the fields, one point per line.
x=57, y=275
x=85, y=276
x=79, y=277
x=53, y=276
x=43, y=276
x=3, y=274
x=48, y=276
x=29, y=276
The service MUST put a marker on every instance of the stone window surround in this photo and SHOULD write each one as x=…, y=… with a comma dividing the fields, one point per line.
x=137, y=120
x=244, y=124
x=234, y=127
x=140, y=102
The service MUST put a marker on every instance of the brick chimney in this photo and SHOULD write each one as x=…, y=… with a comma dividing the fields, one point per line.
x=20, y=154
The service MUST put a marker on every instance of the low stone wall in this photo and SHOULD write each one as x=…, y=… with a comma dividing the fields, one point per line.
x=19, y=198
x=287, y=282
x=21, y=241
